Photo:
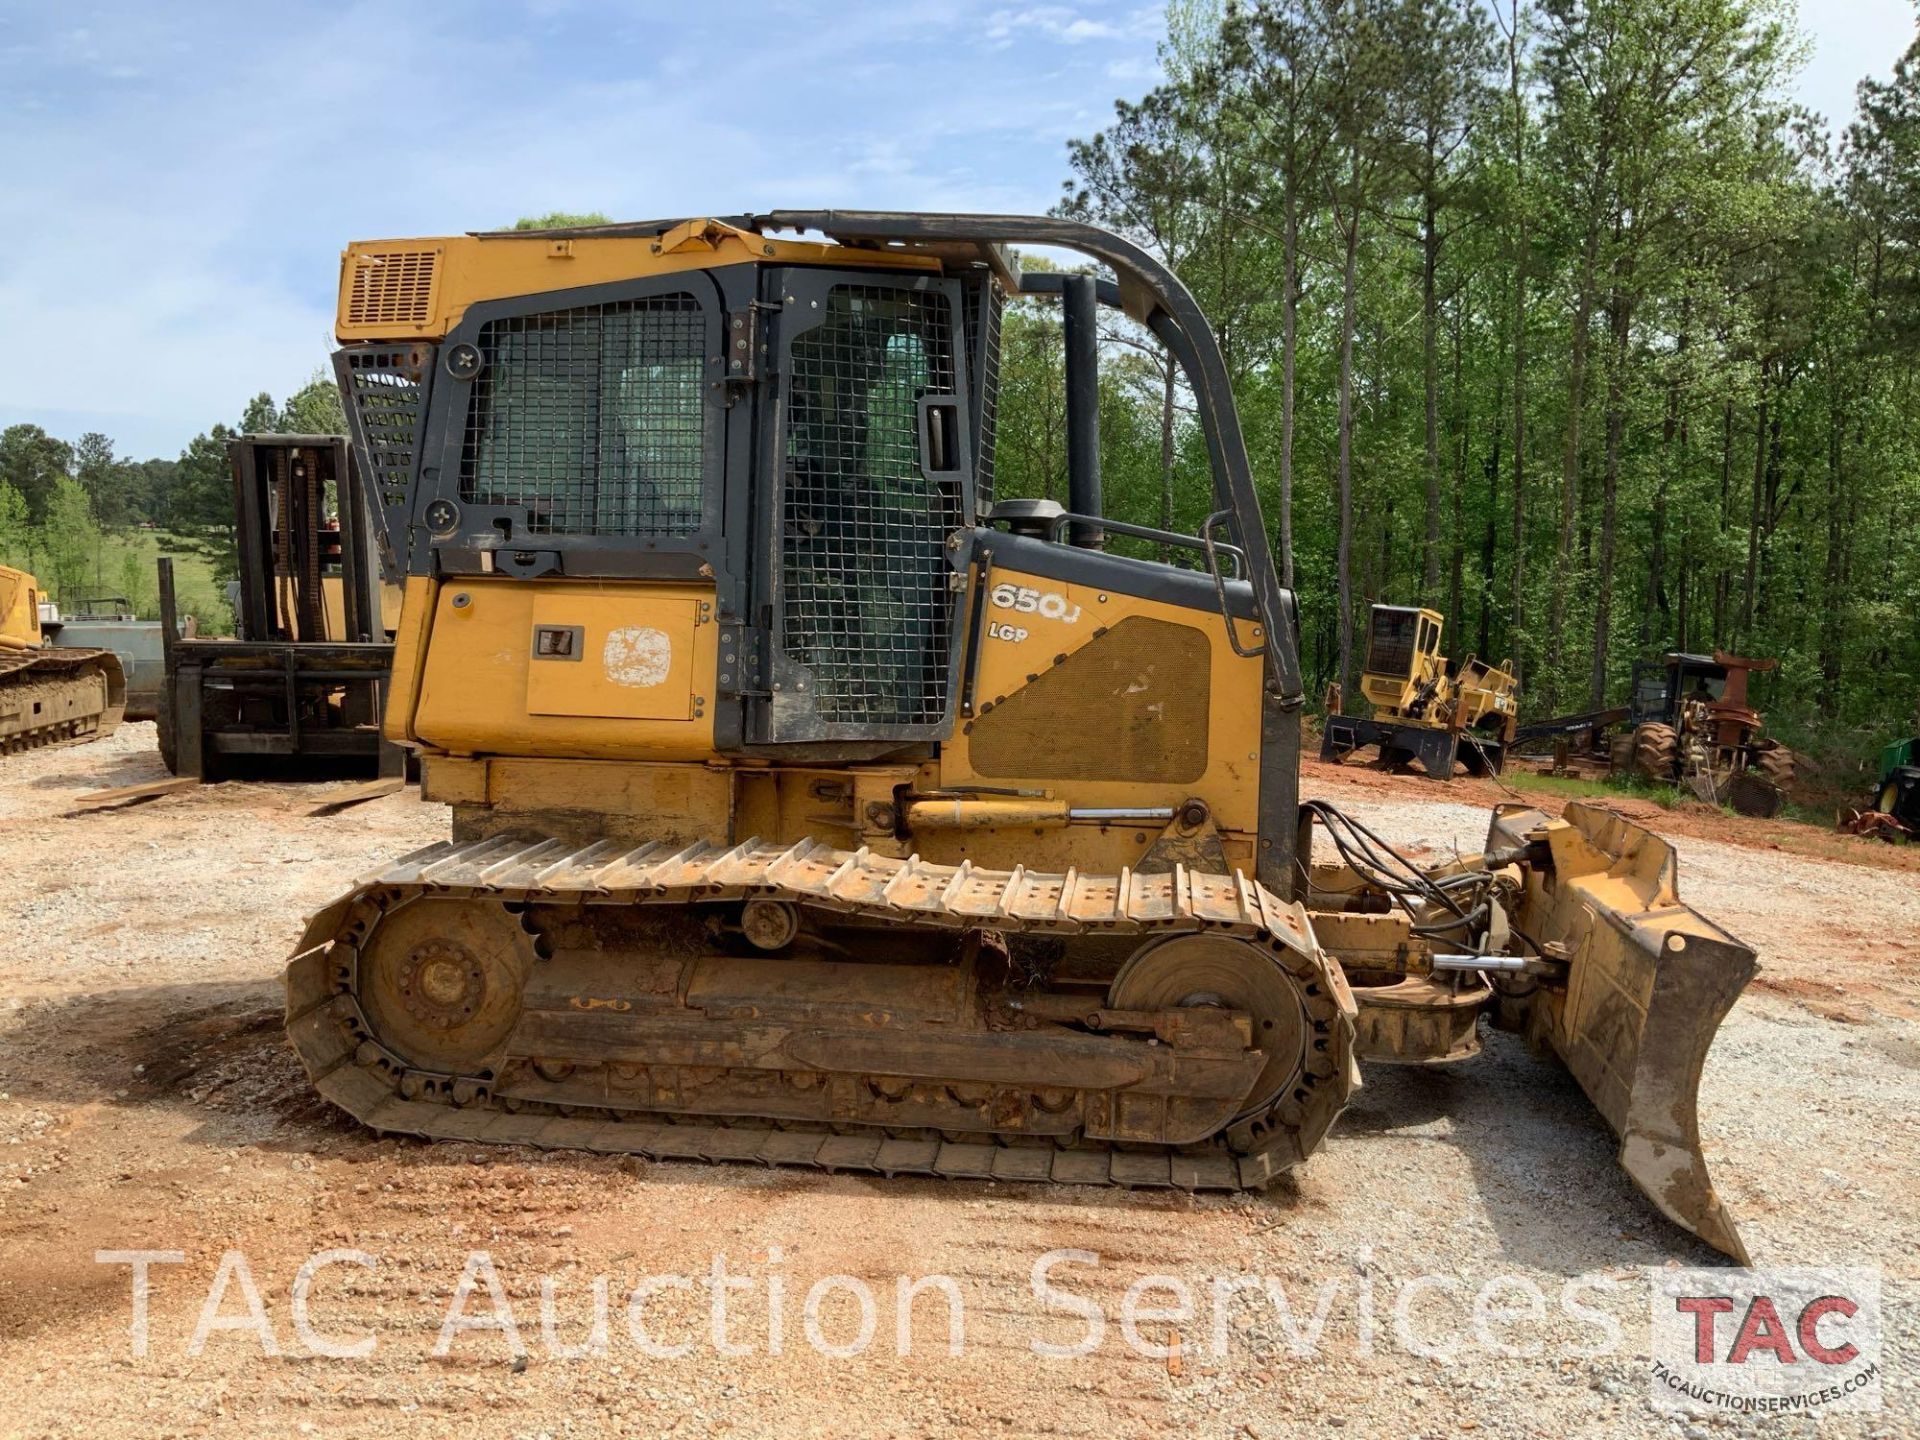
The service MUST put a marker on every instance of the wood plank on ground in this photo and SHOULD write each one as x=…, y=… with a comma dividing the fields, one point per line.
x=359, y=794
x=132, y=794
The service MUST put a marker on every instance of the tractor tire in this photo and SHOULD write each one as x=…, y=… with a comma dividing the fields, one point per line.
x=1620, y=753
x=1656, y=753
x=1774, y=761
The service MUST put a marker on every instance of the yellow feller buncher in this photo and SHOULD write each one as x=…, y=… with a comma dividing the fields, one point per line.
x=1422, y=709
x=811, y=809
x=50, y=695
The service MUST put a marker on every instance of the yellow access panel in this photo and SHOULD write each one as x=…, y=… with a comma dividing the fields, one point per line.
x=617, y=662
x=566, y=668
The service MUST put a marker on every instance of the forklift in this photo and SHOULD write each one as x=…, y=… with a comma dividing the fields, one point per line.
x=299, y=688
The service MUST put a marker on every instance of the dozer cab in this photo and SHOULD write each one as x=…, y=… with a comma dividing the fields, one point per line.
x=50, y=694
x=1689, y=723
x=1423, y=709
x=806, y=813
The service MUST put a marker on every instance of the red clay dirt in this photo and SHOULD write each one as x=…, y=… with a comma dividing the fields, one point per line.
x=147, y=1100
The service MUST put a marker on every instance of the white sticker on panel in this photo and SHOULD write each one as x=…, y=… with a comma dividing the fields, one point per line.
x=637, y=655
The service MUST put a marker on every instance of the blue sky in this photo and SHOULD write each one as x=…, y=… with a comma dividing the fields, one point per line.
x=179, y=178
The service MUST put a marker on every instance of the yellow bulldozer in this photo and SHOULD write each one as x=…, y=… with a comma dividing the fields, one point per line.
x=50, y=695
x=809, y=808
x=1424, y=709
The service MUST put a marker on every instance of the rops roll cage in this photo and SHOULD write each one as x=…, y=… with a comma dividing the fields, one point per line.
x=1148, y=292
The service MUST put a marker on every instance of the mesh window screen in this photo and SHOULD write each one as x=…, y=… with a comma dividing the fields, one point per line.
x=383, y=386
x=983, y=312
x=1390, y=645
x=863, y=593
x=592, y=419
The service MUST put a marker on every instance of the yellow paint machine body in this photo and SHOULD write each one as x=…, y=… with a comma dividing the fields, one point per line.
x=812, y=806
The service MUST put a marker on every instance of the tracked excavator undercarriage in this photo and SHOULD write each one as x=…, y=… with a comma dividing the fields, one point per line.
x=809, y=809
x=50, y=695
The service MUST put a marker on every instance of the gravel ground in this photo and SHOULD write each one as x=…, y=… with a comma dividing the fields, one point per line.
x=147, y=1102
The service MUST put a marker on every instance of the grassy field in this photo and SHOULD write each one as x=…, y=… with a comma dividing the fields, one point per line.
x=123, y=564
x=1570, y=787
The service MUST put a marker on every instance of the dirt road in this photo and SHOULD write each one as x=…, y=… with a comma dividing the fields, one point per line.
x=148, y=1103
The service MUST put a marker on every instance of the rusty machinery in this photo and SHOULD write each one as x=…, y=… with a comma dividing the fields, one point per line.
x=1692, y=725
x=1892, y=807
x=50, y=694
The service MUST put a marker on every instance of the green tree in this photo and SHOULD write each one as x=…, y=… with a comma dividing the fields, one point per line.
x=32, y=461
x=16, y=534
x=1653, y=106
x=1445, y=60
x=561, y=220
x=1030, y=452
x=1282, y=50
x=1137, y=177
x=200, y=500
x=1363, y=100
x=70, y=542
x=315, y=408
x=110, y=482
x=261, y=416
x=149, y=483
x=1621, y=284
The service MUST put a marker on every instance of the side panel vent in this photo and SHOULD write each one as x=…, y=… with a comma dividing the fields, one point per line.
x=392, y=287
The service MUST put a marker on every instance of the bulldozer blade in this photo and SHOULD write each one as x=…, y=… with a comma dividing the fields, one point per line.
x=1648, y=981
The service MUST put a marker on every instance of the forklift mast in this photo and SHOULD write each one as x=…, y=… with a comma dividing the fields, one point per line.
x=311, y=565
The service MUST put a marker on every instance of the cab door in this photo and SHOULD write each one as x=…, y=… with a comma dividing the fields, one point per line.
x=866, y=478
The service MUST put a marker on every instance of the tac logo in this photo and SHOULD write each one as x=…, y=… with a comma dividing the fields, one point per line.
x=1758, y=1342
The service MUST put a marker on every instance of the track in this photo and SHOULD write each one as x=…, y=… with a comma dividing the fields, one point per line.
x=60, y=682
x=327, y=1010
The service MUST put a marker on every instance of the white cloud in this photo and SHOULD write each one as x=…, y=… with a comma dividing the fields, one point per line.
x=188, y=175
x=1134, y=70
x=1051, y=22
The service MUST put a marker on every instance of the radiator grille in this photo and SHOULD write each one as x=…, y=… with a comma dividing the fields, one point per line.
x=383, y=386
x=1131, y=705
x=392, y=287
x=863, y=593
x=593, y=418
